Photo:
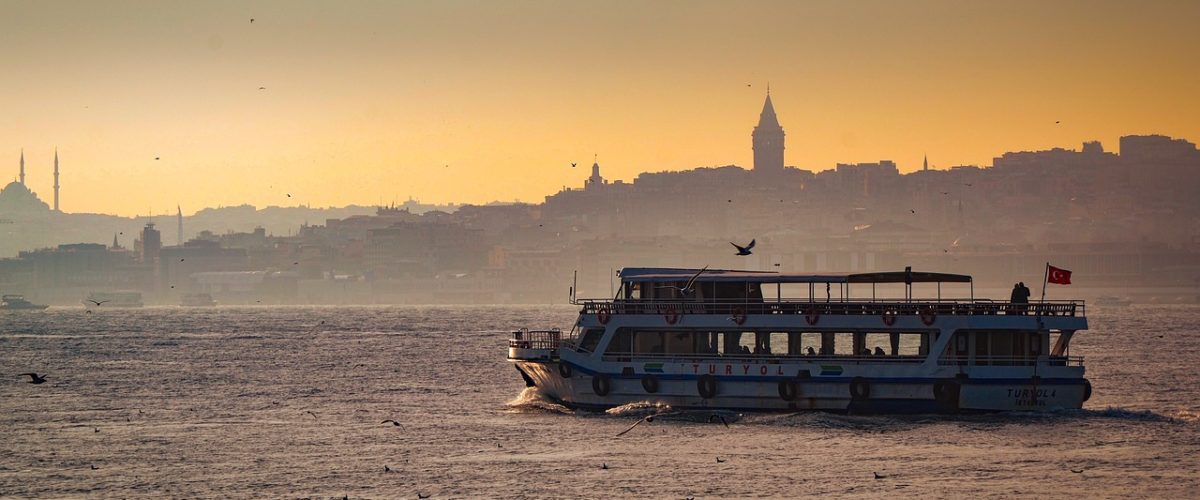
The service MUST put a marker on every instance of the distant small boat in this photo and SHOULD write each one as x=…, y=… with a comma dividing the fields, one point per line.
x=197, y=300
x=14, y=302
x=1112, y=301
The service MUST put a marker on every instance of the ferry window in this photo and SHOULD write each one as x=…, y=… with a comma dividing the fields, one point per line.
x=680, y=343
x=878, y=343
x=732, y=343
x=809, y=339
x=981, y=348
x=754, y=292
x=843, y=344
x=633, y=291
x=621, y=343
x=761, y=342
x=898, y=344
x=648, y=343
x=730, y=291
x=590, y=339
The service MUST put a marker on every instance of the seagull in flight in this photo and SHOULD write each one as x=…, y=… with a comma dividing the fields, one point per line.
x=572, y=164
x=393, y=422
x=715, y=416
x=689, y=287
x=34, y=378
x=743, y=250
x=878, y=476
x=97, y=302
x=648, y=419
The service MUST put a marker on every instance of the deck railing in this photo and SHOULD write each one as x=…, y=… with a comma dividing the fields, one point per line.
x=962, y=307
x=535, y=339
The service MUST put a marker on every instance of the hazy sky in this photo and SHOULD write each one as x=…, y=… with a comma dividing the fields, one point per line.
x=369, y=101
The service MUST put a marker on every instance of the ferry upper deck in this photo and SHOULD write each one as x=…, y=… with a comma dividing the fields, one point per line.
x=737, y=293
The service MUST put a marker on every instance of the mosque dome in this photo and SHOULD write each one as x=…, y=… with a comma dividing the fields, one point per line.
x=17, y=198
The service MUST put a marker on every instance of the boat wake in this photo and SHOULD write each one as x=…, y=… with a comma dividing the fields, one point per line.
x=637, y=409
x=531, y=400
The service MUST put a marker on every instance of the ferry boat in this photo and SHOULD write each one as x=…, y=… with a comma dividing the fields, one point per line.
x=14, y=302
x=734, y=340
x=197, y=300
x=113, y=299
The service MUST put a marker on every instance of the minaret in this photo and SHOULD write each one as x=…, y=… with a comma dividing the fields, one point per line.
x=925, y=164
x=179, y=214
x=768, y=139
x=22, y=166
x=115, y=245
x=55, y=179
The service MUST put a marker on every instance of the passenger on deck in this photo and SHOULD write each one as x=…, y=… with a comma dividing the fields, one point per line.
x=744, y=350
x=1021, y=297
x=866, y=352
x=811, y=351
x=879, y=351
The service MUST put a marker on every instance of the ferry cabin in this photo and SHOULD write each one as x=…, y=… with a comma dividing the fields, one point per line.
x=748, y=341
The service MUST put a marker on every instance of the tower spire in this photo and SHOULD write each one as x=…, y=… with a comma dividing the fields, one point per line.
x=767, y=139
x=22, y=166
x=56, y=178
x=925, y=163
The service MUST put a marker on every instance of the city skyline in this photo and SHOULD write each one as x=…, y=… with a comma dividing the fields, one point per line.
x=193, y=105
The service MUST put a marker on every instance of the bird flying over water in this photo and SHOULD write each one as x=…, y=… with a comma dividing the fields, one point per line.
x=393, y=422
x=648, y=419
x=743, y=250
x=97, y=302
x=572, y=164
x=34, y=378
x=689, y=287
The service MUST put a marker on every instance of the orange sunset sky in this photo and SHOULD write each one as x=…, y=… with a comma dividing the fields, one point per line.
x=370, y=101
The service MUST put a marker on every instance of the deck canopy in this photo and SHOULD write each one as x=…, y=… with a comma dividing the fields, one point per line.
x=663, y=274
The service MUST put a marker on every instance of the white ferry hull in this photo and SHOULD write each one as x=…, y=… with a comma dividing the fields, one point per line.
x=892, y=395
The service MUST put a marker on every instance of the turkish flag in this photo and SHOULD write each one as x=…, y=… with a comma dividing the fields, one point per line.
x=1056, y=275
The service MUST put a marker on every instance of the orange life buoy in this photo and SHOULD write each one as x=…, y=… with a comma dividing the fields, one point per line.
x=928, y=316
x=889, y=317
x=739, y=315
x=671, y=316
x=811, y=316
x=603, y=314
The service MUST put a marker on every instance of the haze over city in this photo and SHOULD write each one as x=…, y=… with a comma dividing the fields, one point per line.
x=154, y=105
x=571, y=249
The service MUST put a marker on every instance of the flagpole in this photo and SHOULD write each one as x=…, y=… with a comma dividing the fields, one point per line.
x=1042, y=304
x=1045, y=281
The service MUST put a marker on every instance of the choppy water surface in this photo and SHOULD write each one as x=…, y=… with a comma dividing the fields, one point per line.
x=287, y=402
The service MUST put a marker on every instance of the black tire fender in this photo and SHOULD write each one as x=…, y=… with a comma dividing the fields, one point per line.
x=707, y=386
x=600, y=384
x=860, y=388
x=787, y=390
x=650, y=384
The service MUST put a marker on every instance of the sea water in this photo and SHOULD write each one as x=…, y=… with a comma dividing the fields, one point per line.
x=288, y=402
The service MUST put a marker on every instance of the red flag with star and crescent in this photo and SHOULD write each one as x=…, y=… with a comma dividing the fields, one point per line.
x=1056, y=275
